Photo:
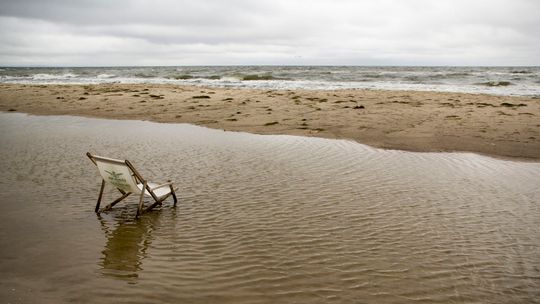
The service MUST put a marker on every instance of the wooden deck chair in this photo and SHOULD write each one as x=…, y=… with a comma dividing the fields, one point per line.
x=123, y=176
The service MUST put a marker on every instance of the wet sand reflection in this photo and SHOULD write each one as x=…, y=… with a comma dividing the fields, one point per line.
x=261, y=219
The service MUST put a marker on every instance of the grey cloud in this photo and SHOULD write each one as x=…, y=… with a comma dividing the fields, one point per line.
x=87, y=12
x=442, y=32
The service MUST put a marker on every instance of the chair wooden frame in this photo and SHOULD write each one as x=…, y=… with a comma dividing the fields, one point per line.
x=138, y=179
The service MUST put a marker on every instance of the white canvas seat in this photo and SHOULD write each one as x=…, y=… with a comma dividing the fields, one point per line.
x=159, y=192
x=123, y=176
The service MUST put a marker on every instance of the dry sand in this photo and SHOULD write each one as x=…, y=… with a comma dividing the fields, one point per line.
x=416, y=121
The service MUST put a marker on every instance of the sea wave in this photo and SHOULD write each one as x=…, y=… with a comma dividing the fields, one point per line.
x=495, y=83
x=45, y=76
x=522, y=81
x=144, y=75
x=188, y=77
x=105, y=76
x=251, y=77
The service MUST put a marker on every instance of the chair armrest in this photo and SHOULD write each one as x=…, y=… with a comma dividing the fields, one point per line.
x=161, y=186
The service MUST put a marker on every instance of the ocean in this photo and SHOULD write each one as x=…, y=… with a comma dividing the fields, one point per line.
x=508, y=81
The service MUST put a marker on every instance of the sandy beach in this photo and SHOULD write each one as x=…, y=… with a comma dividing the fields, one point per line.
x=416, y=121
x=318, y=152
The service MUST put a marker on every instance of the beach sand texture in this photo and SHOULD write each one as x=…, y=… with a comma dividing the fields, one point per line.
x=261, y=219
x=416, y=121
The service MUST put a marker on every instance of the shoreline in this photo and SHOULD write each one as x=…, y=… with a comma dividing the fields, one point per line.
x=420, y=121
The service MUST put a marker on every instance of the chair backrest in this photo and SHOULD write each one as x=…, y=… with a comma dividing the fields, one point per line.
x=117, y=173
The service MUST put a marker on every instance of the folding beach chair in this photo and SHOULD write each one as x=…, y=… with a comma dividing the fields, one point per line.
x=124, y=177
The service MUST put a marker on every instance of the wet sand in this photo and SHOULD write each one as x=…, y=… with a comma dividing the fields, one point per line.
x=415, y=121
x=261, y=219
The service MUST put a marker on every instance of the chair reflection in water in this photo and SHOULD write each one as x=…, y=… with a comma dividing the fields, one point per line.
x=126, y=246
x=129, y=242
x=125, y=249
x=122, y=175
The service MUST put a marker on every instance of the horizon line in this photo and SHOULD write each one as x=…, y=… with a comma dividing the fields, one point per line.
x=259, y=65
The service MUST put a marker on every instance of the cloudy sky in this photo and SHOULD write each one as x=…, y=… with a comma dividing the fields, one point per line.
x=275, y=32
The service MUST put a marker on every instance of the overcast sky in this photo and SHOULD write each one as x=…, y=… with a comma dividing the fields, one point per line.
x=275, y=32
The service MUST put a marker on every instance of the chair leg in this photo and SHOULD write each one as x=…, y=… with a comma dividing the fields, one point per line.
x=139, y=209
x=100, y=196
x=158, y=202
x=152, y=206
x=173, y=195
x=116, y=201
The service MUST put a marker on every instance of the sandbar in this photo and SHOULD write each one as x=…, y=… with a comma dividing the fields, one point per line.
x=503, y=126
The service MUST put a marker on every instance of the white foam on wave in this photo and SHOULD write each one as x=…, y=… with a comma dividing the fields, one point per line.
x=44, y=76
x=524, y=81
x=105, y=76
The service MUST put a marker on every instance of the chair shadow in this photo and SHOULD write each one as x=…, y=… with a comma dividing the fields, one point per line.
x=127, y=243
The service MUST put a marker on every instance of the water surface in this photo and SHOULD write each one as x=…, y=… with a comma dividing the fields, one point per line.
x=261, y=219
x=520, y=81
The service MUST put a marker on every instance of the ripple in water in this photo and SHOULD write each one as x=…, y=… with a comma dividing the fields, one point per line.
x=262, y=219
